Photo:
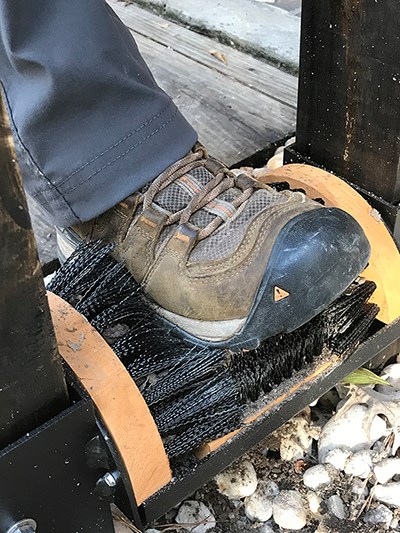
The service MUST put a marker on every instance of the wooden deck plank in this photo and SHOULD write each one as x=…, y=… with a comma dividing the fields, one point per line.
x=233, y=118
x=242, y=67
x=233, y=121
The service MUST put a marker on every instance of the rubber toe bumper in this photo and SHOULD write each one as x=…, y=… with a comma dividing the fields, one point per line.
x=316, y=257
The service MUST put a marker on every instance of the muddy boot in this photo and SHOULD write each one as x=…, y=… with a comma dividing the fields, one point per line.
x=226, y=259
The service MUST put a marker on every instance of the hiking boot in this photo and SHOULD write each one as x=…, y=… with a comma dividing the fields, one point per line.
x=228, y=260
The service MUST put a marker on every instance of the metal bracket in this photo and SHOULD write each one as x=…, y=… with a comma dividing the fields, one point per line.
x=45, y=476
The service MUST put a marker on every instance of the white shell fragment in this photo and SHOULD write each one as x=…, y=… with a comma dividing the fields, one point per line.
x=359, y=464
x=386, y=469
x=196, y=516
x=258, y=506
x=346, y=431
x=389, y=494
x=238, y=480
x=314, y=502
x=316, y=477
x=337, y=458
x=289, y=510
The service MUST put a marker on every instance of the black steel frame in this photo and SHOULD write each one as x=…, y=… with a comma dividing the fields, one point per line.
x=45, y=476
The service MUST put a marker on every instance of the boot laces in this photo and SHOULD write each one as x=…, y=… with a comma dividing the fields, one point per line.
x=223, y=180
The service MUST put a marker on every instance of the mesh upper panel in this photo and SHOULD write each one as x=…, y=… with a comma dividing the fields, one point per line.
x=173, y=198
x=177, y=196
x=225, y=240
x=201, y=218
x=201, y=174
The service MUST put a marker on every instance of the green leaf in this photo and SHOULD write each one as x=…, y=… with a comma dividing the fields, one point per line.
x=363, y=376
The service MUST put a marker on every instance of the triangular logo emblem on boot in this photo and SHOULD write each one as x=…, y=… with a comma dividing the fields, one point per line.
x=280, y=294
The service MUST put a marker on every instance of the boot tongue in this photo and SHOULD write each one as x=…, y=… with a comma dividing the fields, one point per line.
x=178, y=194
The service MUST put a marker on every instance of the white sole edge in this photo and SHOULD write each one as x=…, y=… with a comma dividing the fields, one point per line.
x=212, y=331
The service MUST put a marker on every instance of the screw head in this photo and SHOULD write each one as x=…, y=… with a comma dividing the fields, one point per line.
x=105, y=487
x=97, y=453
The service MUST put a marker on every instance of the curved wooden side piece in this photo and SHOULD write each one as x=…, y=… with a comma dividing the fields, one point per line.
x=384, y=264
x=118, y=400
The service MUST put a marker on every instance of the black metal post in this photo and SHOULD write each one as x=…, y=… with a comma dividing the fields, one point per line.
x=349, y=94
x=32, y=385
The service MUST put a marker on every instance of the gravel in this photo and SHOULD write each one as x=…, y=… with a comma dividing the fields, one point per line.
x=289, y=510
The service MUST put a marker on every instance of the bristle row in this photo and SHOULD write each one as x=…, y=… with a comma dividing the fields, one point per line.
x=197, y=393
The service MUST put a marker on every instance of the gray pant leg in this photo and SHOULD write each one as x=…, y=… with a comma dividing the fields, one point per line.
x=91, y=125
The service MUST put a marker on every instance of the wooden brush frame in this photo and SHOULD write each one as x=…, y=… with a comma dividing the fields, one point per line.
x=121, y=406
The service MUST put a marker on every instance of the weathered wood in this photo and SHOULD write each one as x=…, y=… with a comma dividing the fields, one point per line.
x=45, y=234
x=349, y=91
x=237, y=108
x=244, y=68
x=32, y=386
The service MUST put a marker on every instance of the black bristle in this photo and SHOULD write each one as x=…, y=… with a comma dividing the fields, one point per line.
x=81, y=271
x=215, y=424
x=258, y=371
x=348, y=341
x=128, y=310
x=280, y=186
x=111, y=288
x=198, y=393
x=197, y=404
x=152, y=350
x=180, y=377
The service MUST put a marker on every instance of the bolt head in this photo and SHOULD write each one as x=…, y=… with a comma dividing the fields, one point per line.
x=105, y=487
x=27, y=525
